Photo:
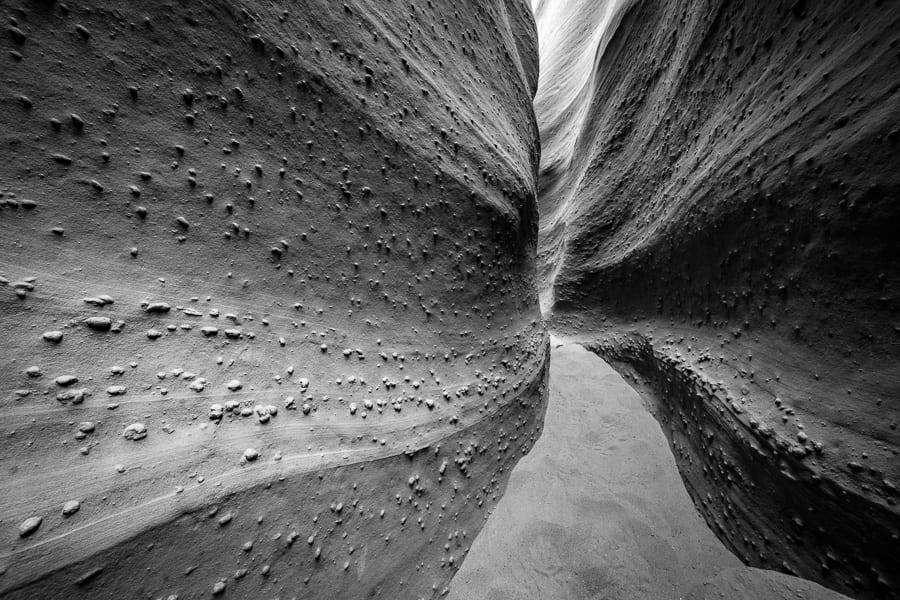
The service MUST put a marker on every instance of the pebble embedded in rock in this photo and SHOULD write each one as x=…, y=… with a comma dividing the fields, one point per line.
x=157, y=307
x=29, y=526
x=135, y=431
x=99, y=323
x=18, y=36
x=70, y=508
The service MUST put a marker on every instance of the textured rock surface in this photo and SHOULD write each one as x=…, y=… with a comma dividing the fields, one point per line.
x=269, y=314
x=719, y=197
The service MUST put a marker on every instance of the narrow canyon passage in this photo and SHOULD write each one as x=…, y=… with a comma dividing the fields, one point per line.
x=597, y=509
x=278, y=282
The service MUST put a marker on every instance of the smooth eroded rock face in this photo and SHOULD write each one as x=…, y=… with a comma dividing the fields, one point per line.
x=280, y=257
x=719, y=203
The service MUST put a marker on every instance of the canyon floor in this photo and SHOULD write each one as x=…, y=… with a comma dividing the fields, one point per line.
x=598, y=509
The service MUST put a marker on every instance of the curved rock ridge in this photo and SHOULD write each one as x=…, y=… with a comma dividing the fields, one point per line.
x=268, y=296
x=718, y=195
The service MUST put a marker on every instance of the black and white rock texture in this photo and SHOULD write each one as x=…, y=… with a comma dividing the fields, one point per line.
x=719, y=196
x=269, y=281
x=270, y=318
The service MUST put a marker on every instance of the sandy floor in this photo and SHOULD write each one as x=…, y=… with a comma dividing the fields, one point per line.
x=598, y=509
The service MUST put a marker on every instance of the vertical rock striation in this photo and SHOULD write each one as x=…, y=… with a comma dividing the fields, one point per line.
x=718, y=192
x=268, y=299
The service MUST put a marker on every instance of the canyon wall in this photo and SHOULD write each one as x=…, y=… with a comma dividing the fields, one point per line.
x=719, y=196
x=268, y=299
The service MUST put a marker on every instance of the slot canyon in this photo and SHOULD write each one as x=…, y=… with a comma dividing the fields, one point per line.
x=475, y=299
